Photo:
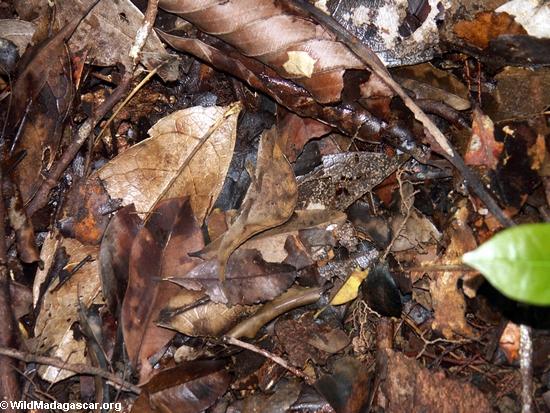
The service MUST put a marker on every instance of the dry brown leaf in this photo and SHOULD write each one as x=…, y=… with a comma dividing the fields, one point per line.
x=172, y=164
x=447, y=300
x=159, y=249
x=186, y=314
x=269, y=202
x=59, y=310
x=108, y=33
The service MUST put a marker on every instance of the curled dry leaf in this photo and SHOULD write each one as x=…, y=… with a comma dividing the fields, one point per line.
x=108, y=33
x=273, y=34
x=114, y=255
x=191, y=387
x=190, y=314
x=269, y=202
x=53, y=331
x=343, y=178
x=249, y=279
x=160, y=248
x=188, y=154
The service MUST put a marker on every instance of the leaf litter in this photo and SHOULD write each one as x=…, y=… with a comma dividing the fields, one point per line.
x=338, y=265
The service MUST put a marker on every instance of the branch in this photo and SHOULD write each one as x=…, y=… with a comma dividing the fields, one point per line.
x=76, y=368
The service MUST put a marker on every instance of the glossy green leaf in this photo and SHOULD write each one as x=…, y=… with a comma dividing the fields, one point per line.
x=517, y=262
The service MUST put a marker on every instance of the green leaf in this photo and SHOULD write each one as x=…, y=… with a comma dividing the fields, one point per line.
x=516, y=262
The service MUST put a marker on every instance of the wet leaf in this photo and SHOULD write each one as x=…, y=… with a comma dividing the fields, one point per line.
x=173, y=163
x=381, y=293
x=54, y=335
x=285, y=394
x=249, y=279
x=114, y=255
x=160, y=248
x=483, y=149
x=191, y=387
x=350, y=288
x=269, y=202
x=516, y=262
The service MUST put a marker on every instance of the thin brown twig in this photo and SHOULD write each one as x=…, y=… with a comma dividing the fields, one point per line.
x=276, y=359
x=115, y=380
x=85, y=131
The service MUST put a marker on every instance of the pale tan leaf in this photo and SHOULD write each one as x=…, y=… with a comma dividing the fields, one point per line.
x=269, y=202
x=59, y=309
x=188, y=154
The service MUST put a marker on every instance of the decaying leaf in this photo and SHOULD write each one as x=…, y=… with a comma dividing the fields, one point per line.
x=429, y=82
x=249, y=279
x=159, y=249
x=18, y=31
x=447, y=300
x=190, y=314
x=407, y=386
x=114, y=255
x=487, y=26
x=108, y=33
x=306, y=339
x=347, y=389
x=191, y=387
x=343, y=178
x=350, y=288
x=416, y=231
x=285, y=394
x=269, y=202
x=483, y=149
x=54, y=335
x=188, y=154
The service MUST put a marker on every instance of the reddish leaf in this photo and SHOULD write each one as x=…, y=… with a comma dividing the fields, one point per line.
x=160, y=247
x=483, y=149
x=190, y=387
x=114, y=255
x=249, y=279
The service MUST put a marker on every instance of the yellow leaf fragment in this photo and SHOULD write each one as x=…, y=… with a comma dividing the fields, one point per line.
x=350, y=289
x=299, y=63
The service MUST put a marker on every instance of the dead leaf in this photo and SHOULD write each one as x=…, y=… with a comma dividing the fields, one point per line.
x=429, y=82
x=447, y=300
x=173, y=163
x=53, y=331
x=286, y=392
x=159, y=249
x=306, y=339
x=483, y=149
x=269, y=202
x=350, y=289
x=415, y=232
x=249, y=279
x=109, y=31
x=295, y=131
x=343, y=178
x=191, y=387
x=407, y=386
x=188, y=313
x=487, y=26
x=18, y=31
x=114, y=255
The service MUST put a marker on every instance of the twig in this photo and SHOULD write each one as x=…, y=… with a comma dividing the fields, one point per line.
x=369, y=58
x=41, y=197
x=276, y=359
x=76, y=368
x=526, y=368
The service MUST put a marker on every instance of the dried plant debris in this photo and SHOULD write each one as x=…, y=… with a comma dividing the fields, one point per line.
x=343, y=178
x=175, y=162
